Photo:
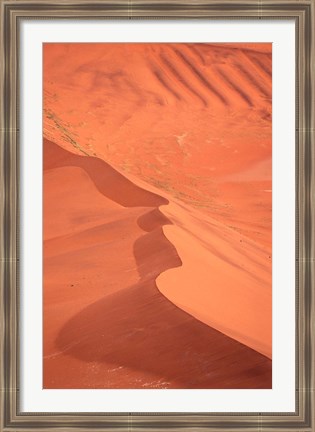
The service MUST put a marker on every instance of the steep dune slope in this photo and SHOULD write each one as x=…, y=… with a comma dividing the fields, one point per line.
x=157, y=218
x=224, y=280
x=106, y=325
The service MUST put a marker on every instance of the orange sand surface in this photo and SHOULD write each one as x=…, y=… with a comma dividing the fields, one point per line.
x=157, y=216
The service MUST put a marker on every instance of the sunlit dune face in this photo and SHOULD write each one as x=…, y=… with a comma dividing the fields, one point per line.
x=157, y=215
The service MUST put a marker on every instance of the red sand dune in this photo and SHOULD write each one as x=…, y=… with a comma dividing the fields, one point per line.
x=106, y=325
x=157, y=269
x=186, y=118
x=224, y=280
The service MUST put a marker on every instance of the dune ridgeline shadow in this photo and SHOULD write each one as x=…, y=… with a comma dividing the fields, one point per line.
x=137, y=327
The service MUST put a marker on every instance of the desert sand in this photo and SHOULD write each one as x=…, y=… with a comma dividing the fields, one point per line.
x=157, y=216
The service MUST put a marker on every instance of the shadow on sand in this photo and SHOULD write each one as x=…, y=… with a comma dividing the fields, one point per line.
x=137, y=327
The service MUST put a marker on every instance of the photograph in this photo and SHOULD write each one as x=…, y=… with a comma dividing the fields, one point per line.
x=157, y=245
x=157, y=215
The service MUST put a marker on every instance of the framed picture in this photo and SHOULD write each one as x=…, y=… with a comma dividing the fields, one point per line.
x=156, y=239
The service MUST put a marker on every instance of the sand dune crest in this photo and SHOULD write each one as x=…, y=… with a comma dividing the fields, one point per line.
x=110, y=315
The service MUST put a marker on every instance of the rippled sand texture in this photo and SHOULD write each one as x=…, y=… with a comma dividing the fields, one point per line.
x=157, y=216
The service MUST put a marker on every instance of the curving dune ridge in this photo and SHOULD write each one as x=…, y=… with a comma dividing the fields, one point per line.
x=157, y=216
x=114, y=328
